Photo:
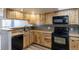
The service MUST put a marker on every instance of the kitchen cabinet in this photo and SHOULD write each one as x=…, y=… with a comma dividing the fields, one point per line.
x=26, y=41
x=31, y=37
x=74, y=43
x=42, y=38
x=11, y=14
x=49, y=18
x=72, y=13
x=38, y=37
x=19, y=15
x=47, y=40
x=27, y=16
x=73, y=16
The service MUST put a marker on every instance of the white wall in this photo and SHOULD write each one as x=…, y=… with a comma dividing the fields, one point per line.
x=1, y=13
x=1, y=16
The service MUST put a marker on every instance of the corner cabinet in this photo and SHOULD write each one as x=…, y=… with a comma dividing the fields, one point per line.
x=43, y=38
x=74, y=43
x=38, y=37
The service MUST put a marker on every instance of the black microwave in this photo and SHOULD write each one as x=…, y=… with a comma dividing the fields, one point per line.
x=60, y=19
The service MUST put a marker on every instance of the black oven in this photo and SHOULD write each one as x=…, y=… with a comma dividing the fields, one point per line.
x=60, y=36
x=60, y=43
x=60, y=19
x=61, y=31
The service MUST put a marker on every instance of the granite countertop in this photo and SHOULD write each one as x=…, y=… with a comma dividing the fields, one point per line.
x=73, y=34
x=8, y=29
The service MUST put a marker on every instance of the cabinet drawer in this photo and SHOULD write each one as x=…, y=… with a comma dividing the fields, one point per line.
x=46, y=42
x=47, y=34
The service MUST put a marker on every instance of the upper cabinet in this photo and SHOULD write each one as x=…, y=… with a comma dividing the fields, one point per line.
x=11, y=14
x=35, y=18
x=44, y=18
x=73, y=16
x=72, y=13
x=19, y=15
x=49, y=18
x=27, y=16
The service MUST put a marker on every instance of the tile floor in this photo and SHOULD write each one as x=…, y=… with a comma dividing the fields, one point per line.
x=36, y=47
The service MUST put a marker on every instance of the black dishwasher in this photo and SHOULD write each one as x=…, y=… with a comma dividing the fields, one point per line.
x=17, y=42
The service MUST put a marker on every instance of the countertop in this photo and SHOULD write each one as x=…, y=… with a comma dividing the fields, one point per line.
x=7, y=29
x=49, y=31
x=73, y=35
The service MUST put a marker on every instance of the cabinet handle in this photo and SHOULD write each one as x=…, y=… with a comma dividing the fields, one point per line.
x=72, y=40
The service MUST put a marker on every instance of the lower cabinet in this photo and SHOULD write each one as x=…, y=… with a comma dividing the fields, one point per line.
x=31, y=37
x=47, y=40
x=43, y=39
x=38, y=37
x=26, y=41
x=74, y=43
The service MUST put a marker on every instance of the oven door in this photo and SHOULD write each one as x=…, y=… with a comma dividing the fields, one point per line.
x=60, y=43
x=61, y=30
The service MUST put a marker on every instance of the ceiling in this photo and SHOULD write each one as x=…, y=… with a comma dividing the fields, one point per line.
x=36, y=10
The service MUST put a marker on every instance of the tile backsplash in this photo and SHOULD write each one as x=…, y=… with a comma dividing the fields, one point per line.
x=50, y=27
x=44, y=27
x=74, y=30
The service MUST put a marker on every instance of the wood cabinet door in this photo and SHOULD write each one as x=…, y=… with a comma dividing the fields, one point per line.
x=77, y=44
x=31, y=37
x=26, y=40
x=36, y=37
x=19, y=15
x=74, y=43
x=47, y=40
x=41, y=37
x=10, y=14
x=73, y=17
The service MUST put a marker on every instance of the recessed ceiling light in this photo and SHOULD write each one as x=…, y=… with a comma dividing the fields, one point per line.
x=33, y=12
x=21, y=10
